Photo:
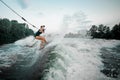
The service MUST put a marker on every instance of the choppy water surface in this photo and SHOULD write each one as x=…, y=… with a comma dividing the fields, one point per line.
x=111, y=60
x=61, y=59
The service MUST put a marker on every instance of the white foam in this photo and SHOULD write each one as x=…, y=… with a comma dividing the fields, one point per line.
x=80, y=59
x=77, y=59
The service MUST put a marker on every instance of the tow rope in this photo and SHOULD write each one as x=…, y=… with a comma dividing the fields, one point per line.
x=18, y=14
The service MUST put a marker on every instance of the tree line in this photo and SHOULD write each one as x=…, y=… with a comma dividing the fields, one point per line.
x=11, y=31
x=104, y=32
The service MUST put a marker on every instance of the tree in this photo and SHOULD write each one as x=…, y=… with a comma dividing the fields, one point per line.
x=93, y=30
x=105, y=32
x=116, y=31
x=11, y=31
x=108, y=33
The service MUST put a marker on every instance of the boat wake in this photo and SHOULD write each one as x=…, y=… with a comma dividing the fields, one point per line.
x=61, y=59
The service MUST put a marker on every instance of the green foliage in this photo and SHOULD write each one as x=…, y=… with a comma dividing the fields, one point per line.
x=93, y=30
x=102, y=31
x=11, y=31
x=116, y=31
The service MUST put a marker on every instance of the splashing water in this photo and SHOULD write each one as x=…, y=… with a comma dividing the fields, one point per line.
x=78, y=59
x=61, y=59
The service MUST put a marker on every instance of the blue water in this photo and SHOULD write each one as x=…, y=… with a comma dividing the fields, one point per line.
x=111, y=60
x=61, y=59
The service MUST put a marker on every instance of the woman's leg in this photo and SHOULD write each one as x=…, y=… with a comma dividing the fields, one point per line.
x=41, y=38
x=43, y=41
x=42, y=44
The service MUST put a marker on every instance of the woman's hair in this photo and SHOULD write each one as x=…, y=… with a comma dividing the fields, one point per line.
x=42, y=26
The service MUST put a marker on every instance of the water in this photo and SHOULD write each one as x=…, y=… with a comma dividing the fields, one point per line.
x=61, y=59
x=111, y=60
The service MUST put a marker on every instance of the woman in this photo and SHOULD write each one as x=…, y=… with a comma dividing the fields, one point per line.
x=43, y=40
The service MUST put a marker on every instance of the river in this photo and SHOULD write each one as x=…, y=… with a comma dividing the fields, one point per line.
x=61, y=59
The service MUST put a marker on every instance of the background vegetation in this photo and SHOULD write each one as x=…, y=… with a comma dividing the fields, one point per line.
x=104, y=32
x=11, y=31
